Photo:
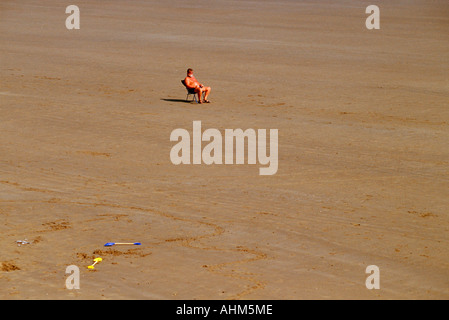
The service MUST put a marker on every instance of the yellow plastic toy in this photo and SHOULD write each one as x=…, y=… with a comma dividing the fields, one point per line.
x=96, y=260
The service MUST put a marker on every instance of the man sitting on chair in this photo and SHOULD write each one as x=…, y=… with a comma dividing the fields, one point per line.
x=192, y=83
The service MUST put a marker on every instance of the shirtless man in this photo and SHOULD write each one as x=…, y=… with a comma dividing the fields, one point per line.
x=192, y=83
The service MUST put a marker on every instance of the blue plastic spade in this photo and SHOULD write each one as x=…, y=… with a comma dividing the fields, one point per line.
x=110, y=244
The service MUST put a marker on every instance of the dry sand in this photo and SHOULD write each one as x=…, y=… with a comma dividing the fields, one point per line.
x=363, y=179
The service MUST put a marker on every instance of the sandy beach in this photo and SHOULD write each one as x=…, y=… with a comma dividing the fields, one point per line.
x=363, y=176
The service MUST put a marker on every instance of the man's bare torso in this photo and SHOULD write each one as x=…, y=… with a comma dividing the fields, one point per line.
x=191, y=82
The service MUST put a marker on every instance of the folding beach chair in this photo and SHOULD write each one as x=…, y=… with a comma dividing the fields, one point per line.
x=190, y=92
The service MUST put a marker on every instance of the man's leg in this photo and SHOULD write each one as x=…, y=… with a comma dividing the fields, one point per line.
x=199, y=92
x=207, y=90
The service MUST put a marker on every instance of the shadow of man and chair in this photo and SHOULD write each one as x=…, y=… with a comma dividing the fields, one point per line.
x=177, y=100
